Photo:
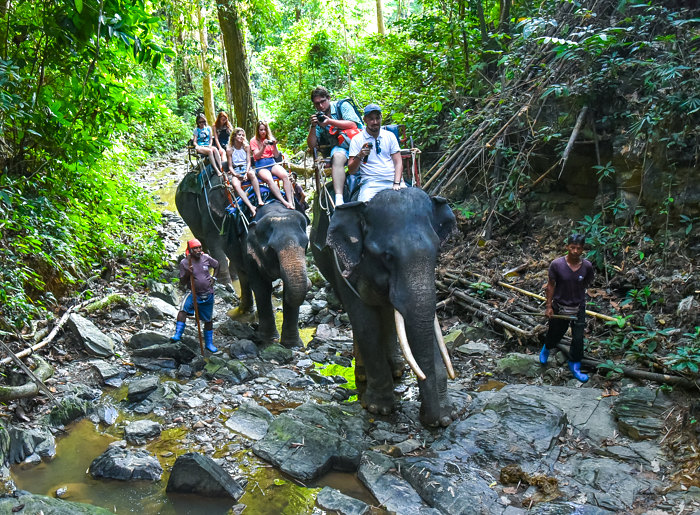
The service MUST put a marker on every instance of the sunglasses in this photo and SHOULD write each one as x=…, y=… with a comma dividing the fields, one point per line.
x=201, y=122
x=378, y=148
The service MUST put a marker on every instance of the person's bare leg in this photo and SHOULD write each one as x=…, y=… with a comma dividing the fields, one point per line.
x=217, y=158
x=239, y=189
x=338, y=162
x=288, y=190
x=211, y=153
x=266, y=177
x=256, y=186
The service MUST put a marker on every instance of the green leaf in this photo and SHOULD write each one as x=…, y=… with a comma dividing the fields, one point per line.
x=79, y=5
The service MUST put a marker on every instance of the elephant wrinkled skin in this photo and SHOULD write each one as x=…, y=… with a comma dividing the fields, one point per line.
x=386, y=254
x=272, y=248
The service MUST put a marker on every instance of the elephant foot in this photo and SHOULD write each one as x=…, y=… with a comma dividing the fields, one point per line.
x=242, y=310
x=379, y=403
x=268, y=336
x=446, y=416
x=291, y=342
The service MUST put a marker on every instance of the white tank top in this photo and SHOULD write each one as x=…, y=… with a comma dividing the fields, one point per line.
x=238, y=158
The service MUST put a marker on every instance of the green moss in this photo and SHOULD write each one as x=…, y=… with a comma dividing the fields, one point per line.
x=110, y=300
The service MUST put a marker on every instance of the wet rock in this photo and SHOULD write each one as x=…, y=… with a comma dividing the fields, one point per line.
x=126, y=465
x=107, y=414
x=177, y=351
x=325, y=332
x=165, y=292
x=144, y=339
x=283, y=375
x=333, y=500
x=527, y=365
x=474, y=349
x=311, y=439
x=25, y=442
x=301, y=382
x=139, y=389
x=68, y=409
x=238, y=330
x=277, y=353
x=154, y=364
x=318, y=304
x=243, y=349
x=107, y=371
x=38, y=503
x=306, y=313
x=165, y=308
x=164, y=397
x=93, y=340
x=564, y=508
x=31, y=460
x=377, y=473
x=639, y=412
x=139, y=432
x=185, y=371
x=153, y=312
x=197, y=474
x=232, y=370
x=250, y=420
x=404, y=447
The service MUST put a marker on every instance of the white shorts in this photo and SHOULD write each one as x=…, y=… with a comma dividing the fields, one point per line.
x=370, y=187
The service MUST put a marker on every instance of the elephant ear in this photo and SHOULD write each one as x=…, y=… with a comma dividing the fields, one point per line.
x=444, y=222
x=217, y=197
x=346, y=233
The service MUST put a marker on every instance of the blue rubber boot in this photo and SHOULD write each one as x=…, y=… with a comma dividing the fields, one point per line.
x=576, y=371
x=544, y=355
x=209, y=341
x=179, y=329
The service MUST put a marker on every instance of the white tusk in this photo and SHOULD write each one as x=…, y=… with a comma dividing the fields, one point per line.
x=443, y=349
x=403, y=342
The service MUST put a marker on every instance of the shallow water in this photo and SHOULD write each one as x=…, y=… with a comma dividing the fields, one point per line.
x=167, y=195
x=268, y=492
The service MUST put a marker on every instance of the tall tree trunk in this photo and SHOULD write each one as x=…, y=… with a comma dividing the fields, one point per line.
x=465, y=41
x=227, y=81
x=504, y=22
x=380, y=18
x=237, y=60
x=207, y=91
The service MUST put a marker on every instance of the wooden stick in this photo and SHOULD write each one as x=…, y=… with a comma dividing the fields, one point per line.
x=538, y=297
x=51, y=335
x=195, y=302
x=510, y=327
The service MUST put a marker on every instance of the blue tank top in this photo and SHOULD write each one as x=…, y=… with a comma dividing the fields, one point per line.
x=203, y=136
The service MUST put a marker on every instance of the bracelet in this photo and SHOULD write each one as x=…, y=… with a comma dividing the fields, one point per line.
x=397, y=183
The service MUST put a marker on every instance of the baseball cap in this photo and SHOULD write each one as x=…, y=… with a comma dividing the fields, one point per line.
x=372, y=107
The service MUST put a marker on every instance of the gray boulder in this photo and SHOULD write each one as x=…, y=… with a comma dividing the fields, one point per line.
x=232, y=370
x=144, y=339
x=333, y=500
x=283, y=375
x=142, y=388
x=25, y=442
x=200, y=475
x=243, y=349
x=393, y=492
x=527, y=365
x=165, y=292
x=250, y=420
x=639, y=412
x=139, y=432
x=31, y=503
x=126, y=465
x=165, y=308
x=238, y=330
x=154, y=313
x=174, y=350
x=154, y=364
x=312, y=439
x=276, y=353
x=108, y=371
x=93, y=340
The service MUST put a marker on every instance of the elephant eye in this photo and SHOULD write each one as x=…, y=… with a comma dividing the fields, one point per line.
x=388, y=257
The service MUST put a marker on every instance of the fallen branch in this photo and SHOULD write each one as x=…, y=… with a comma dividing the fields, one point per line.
x=47, y=340
x=634, y=373
x=30, y=389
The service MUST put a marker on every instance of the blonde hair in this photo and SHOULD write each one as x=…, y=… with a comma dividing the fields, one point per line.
x=234, y=133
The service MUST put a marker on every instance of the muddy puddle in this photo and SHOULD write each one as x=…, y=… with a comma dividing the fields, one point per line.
x=268, y=491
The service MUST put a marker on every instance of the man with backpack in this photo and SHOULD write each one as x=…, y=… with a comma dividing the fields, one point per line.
x=335, y=124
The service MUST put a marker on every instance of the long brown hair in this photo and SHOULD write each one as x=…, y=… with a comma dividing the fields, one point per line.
x=218, y=124
x=267, y=128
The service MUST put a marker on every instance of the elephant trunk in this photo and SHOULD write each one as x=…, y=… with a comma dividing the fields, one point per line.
x=293, y=273
x=416, y=303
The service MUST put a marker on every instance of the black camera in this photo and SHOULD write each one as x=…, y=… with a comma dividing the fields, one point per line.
x=321, y=117
x=271, y=142
x=371, y=146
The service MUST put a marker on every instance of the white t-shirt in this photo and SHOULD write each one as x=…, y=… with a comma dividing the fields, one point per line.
x=378, y=165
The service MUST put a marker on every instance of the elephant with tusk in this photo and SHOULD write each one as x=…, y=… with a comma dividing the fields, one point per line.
x=380, y=258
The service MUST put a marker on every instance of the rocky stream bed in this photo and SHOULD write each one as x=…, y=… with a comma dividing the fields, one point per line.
x=145, y=425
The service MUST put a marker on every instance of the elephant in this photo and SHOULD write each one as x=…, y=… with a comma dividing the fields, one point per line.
x=379, y=257
x=272, y=247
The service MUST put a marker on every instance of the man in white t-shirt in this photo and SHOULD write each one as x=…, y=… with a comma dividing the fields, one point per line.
x=375, y=152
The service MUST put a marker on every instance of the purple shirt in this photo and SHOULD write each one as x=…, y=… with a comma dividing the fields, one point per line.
x=570, y=288
x=203, y=284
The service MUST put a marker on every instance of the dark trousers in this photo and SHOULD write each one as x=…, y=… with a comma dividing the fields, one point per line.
x=557, y=329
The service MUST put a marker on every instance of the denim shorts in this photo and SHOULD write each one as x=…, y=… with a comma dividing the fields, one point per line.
x=205, y=306
x=265, y=164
